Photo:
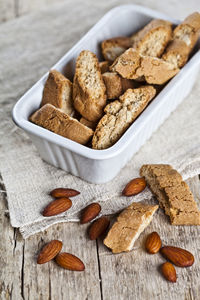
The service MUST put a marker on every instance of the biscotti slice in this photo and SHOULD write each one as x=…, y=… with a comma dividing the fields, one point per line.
x=104, y=66
x=58, y=92
x=185, y=37
x=173, y=194
x=153, y=38
x=89, y=92
x=132, y=65
x=87, y=123
x=52, y=118
x=128, y=227
x=112, y=48
x=120, y=114
x=113, y=85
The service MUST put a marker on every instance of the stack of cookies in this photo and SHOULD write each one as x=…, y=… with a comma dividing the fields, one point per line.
x=106, y=97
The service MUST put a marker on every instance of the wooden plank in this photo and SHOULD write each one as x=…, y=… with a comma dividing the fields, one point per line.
x=7, y=10
x=21, y=278
x=136, y=275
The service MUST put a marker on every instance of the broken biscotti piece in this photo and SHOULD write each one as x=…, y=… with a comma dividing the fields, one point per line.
x=87, y=123
x=153, y=38
x=52, y=118
x=116, y=85
x=112, y=48
x=58, y=92
x=173, y=194
x=185, y=37
x=104, y=66
x=132, y=65
x=129, y=225
x=120, y=114
x=89, y=92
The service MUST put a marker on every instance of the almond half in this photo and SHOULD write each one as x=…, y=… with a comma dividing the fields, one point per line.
x=49, y=251
x=98, y=227
x=90, y=212
x=134, y=187
x=178, y=256
x=169, y=271
x=64, y=192
x=153, y=243
x=70, y=262
x=57, y=206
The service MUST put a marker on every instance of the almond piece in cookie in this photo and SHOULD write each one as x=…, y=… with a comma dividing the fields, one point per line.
x=173, y=194
x=58, y=92
x=53, y=119
x=132, y=65
x=120, y=114
x=153, y=38
x=114, y=47
x=89, y=92
x=128, y=227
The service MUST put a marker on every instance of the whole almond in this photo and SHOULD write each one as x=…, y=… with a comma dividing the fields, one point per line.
x=134, y=187
x=153, y=243
x=90, y=212
x=169, y=271
x=70, y=262
x=49, y=251
x=179, y=257
x=98, y=227
x=63, y=192
x=57, y=206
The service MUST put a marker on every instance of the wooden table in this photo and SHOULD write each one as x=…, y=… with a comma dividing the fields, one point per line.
x=133, y=275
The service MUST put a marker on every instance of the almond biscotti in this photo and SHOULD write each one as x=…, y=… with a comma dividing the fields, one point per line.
x=128, y=227
x=89, y=92
x=173, y=194
x=185, y=37
x=58, y=92
x=153, y=38
x=132, y=65
x=52, y=118
x=114, y=47
x=104, y=66
x=120, y=114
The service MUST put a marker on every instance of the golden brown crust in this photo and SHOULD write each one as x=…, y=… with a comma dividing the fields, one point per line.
x=113, y=85
x=129, y=225
x=176, y=53
x=120, y=114
x=87, y=123
x=131, y=65
x=153, y=38
x=53, y=119
x=104, y=66
x=114, y=47
x=58, y=92
x=88, y=87
x=173, y=194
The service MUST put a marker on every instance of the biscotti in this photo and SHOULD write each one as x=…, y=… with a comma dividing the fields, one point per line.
x=58, y=92
x=120, y=114
x=52, y=118
x=89, y=92
x=153, y=38
x=129, y=225
x=104, y=66
x=173, y=194
x=112, y=48
x=87, y=123
x=132, y=65
x=185, y=37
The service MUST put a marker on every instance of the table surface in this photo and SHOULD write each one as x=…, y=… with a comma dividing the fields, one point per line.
x=133, y=275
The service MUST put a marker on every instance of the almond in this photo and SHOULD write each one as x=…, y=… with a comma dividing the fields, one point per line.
x=169, y=271
x=90, y=212
x=49, y=251
x=153, y=243
x=62, y=192
x=70, y=262
x=57, y=206
x=134, y=187
x=178, y=256
x=98, y=227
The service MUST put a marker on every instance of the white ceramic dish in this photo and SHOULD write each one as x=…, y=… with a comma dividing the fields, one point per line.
x=99, y=166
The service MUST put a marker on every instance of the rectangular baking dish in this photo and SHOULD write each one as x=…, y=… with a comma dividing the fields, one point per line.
x=100, y=166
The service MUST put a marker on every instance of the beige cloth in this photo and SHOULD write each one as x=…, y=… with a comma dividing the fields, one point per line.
x=29, y=47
